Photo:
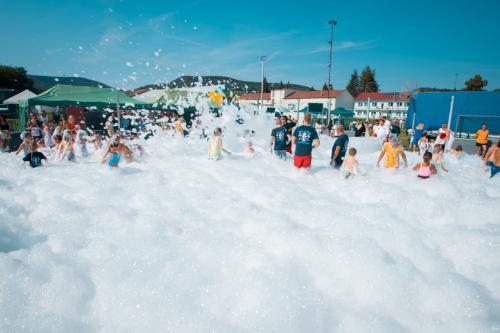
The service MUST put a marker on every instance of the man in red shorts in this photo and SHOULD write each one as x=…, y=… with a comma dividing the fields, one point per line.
x=305, y=138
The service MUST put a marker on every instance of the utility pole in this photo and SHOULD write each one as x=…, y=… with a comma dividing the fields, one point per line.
x=262, y=60
x=456, y=77
x=332, y=23
x=118, y=108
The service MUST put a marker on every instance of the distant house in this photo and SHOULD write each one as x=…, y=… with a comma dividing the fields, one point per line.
x=252, y=101
x=294, y=100
x=382, y=104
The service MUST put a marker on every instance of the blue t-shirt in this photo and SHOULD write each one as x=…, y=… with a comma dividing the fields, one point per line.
x=114, y=160
x=305, y=135
x=280, y=138
x=342, y=142
x=35, y=159
x=418, y=135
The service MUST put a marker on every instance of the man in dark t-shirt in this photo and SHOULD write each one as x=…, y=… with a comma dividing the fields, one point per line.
x=34, y=157
x=279, y=140
x=305, y=138
x=289, y=125
x=339, y=147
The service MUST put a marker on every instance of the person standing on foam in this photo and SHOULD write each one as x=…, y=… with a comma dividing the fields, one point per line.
x=305, y=138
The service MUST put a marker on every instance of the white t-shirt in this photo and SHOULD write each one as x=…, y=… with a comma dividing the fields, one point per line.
x=380, y=132
x=439, y=140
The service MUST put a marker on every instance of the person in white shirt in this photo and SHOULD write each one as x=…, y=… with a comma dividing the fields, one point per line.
x=443, y=135
x=381, y=132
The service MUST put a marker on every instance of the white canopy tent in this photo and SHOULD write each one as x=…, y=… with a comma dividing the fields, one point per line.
x=24, y=95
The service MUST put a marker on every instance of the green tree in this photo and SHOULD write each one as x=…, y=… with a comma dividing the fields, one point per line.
x=476, y=83
x=367, y=82
x=325, y=86
x=267, y=88
x=14, y=78
x=288, y=85
x=353, y=85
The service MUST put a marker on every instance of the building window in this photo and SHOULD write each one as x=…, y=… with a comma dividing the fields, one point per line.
x=400, y=104
x=360, y=103
x=391, y=103
x=382, y=105
x=374, y=103
x=407, y=104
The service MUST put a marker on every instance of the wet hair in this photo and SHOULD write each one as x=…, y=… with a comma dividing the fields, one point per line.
x=352, y=151
x=114, y=144
x=59, y=137
x=218, y=131
x=459, y=148
x=427, y=156
x=424, y=134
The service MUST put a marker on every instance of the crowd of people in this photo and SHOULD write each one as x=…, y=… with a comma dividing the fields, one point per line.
x=120, y=141
x=305, y=138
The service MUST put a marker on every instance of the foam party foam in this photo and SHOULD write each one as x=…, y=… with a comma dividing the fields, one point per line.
x=180, y=243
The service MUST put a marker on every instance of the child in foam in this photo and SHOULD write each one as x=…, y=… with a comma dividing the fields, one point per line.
x=425, y=168
x=249, y=150
x=216, y=147
x=350, y=165
x=423, y=144
x=25, y=145
x=457, y=151
x=492, y=159
x=67, y=149
x=392, y=150
x=112, y=156
x=437, y=156
x=34, y=157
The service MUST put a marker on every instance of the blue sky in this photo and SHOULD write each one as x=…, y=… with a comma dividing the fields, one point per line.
x=128, y=43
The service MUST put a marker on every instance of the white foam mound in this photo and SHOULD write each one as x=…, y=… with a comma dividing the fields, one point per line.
x=179, y=243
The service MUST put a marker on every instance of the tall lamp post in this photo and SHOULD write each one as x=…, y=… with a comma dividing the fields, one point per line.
x=262, y=60
x=332, y=23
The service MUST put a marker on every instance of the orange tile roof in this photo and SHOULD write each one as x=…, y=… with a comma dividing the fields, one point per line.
x=255, y=96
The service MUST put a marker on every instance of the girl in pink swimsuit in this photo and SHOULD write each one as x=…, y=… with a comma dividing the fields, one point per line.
x=425, y=168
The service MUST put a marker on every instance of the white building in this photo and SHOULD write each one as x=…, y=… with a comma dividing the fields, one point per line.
x=382, y=104
x=288, y=100
x=252, y=101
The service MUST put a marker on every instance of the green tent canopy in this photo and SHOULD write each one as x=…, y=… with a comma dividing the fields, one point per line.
x=66, y=95
x=344, y=113
x=306, y=109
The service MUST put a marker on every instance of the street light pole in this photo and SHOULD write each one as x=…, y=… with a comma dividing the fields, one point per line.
x=262, y=60
x=332, y=23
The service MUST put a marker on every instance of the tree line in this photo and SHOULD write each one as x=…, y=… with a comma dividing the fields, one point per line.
x=16, y=78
